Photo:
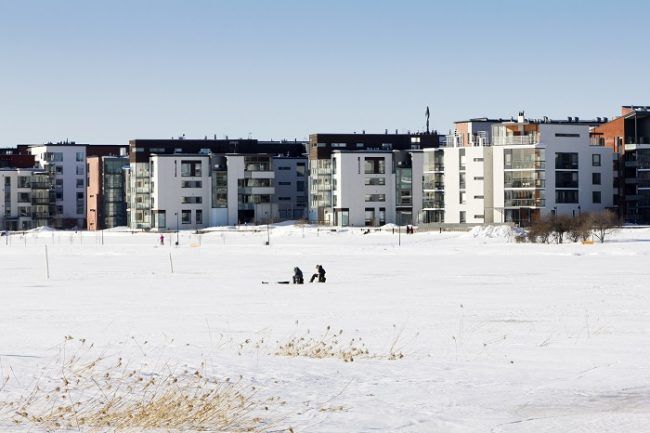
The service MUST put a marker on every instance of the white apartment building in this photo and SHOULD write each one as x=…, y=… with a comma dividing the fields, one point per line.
x=373, y=188
x=194, y=191
x=518, y=171
x=67, y=163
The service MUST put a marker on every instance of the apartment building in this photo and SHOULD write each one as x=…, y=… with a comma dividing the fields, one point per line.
x=366, y=179
x=27, y=197
x=106, y=192
x=67, y=164
x=629, y=137
x=192, y=184
x=517, y=170
x=291, y=187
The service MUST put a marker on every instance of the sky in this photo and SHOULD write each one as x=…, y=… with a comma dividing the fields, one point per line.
x=109, y=71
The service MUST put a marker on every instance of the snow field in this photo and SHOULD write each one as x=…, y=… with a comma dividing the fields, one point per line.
x=496, y=336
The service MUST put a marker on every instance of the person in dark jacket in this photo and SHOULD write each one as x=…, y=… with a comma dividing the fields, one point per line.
x=297, y=276
x=320, y=274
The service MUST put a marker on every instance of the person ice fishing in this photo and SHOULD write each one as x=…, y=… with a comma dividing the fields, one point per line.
x=297, y=276
x=320, y=274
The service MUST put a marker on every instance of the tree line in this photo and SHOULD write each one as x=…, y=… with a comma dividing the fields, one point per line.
x=558, y=228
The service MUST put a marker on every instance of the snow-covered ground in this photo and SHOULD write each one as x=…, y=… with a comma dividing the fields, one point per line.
x=496, y=336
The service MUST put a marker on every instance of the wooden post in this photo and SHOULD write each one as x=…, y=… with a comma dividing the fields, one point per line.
x=171, y=263
x=47, y=264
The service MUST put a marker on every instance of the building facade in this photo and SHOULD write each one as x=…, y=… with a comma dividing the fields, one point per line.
x=27, y=198
x=366, y=179
x=106, y=193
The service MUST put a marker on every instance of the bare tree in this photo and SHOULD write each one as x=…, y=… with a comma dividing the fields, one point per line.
x=604, y=223
x=580, y=228
x=561, y=225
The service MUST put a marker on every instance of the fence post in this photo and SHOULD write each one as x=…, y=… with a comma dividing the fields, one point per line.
x=47, y=264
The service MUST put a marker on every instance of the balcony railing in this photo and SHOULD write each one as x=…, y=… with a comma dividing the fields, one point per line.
x=516, y=140
x=433, y=204
x=525, y=203
x=433, y=185
x=528, y=183
x=526, y=165
x=40, y=200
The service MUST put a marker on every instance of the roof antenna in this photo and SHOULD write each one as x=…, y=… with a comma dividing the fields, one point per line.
x=427, y=114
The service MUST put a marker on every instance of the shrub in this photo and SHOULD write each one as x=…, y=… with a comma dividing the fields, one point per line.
x=604, y=223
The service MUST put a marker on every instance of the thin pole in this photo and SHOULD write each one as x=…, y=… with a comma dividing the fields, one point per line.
x=47, y=264
x=399, y=235
x=171, y=262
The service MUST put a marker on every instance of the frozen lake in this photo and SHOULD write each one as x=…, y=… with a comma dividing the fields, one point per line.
x=495, y=336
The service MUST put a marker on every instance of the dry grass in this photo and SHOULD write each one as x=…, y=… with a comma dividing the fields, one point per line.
x=104, y=393
x=329, y=344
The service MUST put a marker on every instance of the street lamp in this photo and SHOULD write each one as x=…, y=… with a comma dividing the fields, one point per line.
x=177, y=228
x=268, y=233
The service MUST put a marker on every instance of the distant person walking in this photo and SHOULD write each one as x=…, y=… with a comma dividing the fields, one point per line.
x=162, y=239
x=320, y=274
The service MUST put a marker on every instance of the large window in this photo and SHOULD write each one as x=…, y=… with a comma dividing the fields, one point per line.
x=523, y=159
x=566, y=161
x=199, y=217
x=370, y=216
x=374, y=165
x=569, y=196
x=186, y=216
x=79, y=156
x=191, y=168
x=375, y=197
x=191, y=184
x=375, y=181
x=566, y=179
x=595, y=197
x=595, y=178
x=191, y=200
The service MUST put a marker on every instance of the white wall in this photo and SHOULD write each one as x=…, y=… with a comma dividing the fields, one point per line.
x=168, y=192
x=69, y=177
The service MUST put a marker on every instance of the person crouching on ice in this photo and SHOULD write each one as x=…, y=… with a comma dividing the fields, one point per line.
x=297, y=276
x=320, y=274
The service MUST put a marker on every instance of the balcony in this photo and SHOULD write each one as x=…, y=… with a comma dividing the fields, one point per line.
x=433, y=185
x=321, y=171
x=516, y=140
x=433, y=204
x=538, y=202
x=257, y=190
x=526, y=165
x=527, y=183
x=41, y=185
x=40, y=200
x=327, y=187
x=40, y=215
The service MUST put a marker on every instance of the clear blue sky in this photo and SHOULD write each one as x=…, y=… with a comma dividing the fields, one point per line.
x=107, y=71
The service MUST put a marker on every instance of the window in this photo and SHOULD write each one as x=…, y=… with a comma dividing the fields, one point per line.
x=566, y=179
x=478, y=177
x=569, y=196
x=478, y=159
x=566, y=161
x=479, y=217
x=300, y=169
x=80, y=170
x=191, y=200
x=567, y=135
x=79, y=156
x=374, y=165
x=375, y=181
x=191, y=184
x=595, y=197
x=595, y=160
x=461, y=180
x=595, y=178
x=369, y=216
x=462, y=198
x=284, y=168
x=415, y=139
x=23, y=181
x=199, y=216
x=24, y=197
x=375, y=197
x=462, y=217
x=190, y=168
x=479, y=197
x=186, y=216
x=58, y=182
x=284, y=198
x=300, y=186
x=80, y=182
x=59, y=169
x=284, y=183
